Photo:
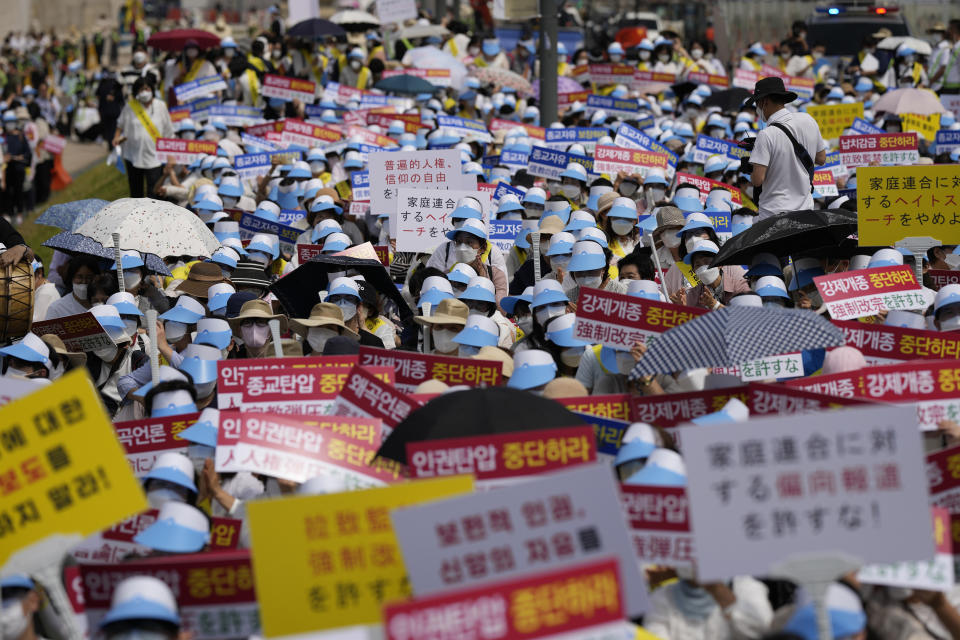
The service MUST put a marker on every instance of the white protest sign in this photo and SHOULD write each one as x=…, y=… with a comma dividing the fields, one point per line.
x=770, y=488
x=396, y=11
x=551, y=522
x=423, y=218
x=936, y=574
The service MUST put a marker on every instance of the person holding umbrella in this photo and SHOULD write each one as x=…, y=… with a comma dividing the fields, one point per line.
x=144, y=119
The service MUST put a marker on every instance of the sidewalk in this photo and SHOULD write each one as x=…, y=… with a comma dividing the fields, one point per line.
x=79, y=156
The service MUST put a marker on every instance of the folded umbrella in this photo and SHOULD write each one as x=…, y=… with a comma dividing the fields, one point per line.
x=733, y=336
x=76, y=244
x=316, y=29
x=790, y=233
x=70, y=215
x=476, y=412
x=919, y=101
x=404, y=83
x=176, y=39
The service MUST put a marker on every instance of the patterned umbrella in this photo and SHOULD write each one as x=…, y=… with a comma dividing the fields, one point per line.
x=151, y=226
x=920, y=101
x=70, y=215
x=732, y=336
x=75, y=244
x=503, y=78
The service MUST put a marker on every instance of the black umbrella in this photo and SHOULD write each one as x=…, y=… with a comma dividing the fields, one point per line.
x=404, y=83
x=316, y=29
x=477, y=412
x=297, y=291
x=682, y=89
x=791, y=233
x=729, y=100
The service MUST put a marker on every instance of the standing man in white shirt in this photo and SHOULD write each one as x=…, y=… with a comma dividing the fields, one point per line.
x=143, y=120
x=948, y=74
x=782, y=170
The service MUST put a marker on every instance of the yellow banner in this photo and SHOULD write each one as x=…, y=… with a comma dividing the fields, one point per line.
x=834, y=118
x=63, y=469
x=925, y=126
x=322, y=562
x=894, y=203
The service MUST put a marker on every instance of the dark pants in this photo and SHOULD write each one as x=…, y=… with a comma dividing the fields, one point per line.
x=142, y=181
x=41, y=181
x=16, y=198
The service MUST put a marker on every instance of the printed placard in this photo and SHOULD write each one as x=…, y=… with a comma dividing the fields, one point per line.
x=770, y=488
x=634, y=138
x=926, y=126
x=882, y=148
x=611, y=160
x=436, y=77
x=360, y=186
x=307, y=133
x=199, y=87
x=777, y=399
x=708, y=78
x=297, y=390
x=366, y=396
x=550, y=163
x=936, y=574
x=659, y=523
x=609, y=415
x=183, y=151
x=396, y=11
x=894, y=203
x=309, y=549
x=788, y=365
x=288, y=89
x=79, y=332
x=833, y=119
x=651, y=81
x=143, y=440
x=824, y=183
x=943, y=277
x=708, y=146
x=411, y=368
x=251, y=165
x=423, y=218
x=885, y=344
x=435, y=170
x=550, y=522
x=560, y=139
x=499, y=459
x=503, y=233
x=250, y=225
x=866, y=292
x=706, y=185
x=619, y=321
x=622, y=107
x=676, y=408
x=861, y=126
x=611, y=73
x=465, y=127
x=947, y=140
x=232, y=375
x=237, y=115
x=54, y=144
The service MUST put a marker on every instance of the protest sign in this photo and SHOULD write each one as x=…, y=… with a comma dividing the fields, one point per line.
x=787, y=365
x=183, y=151
x=708, y=78
x=307, y=252
x=947, y=140
x=367, y=396
x=825, y=183
x=622, y=107
x=436, y=170
x=200, y=108
x=465, y=127
x=360, y=185
x=297, y=391
x=676, y=408
x=943, y=477
x=215, y=592
x=396, y=11
x=634, y=138
x=881, y=148
x=423, y=218
x=375, y=140
x=80, y=332
x=706, y=185
x=618, y=320
x=659, y=522
x=943, y=277
x=863, y=127
x=515, y=159
x=233, y=375
x=328, y=561
x=307, y=134
x=54, y=144
x=609, y=415
x=560, y=139
x=833, y=119
x=585, y=601
x=548, y=163
x=256, y=143
x=504, y=188
x=64, y=470
x=774, y=487
x=251, y=165
x=143, y=440
x=776, y=399
x=411, y=368
x=237, y=115
x=935, y=574
x=867, y=292
x=707, y=146
x=199, y=87
x=498, y=459
x=926, y=126
x=567, y=98
x=611, y=160
x=503, y=233
x=498, y=124
x=251, y=225
x=436, y=77
x=894, y=203
x=288, y=89
x=546, y=523
x=885, y=344
x=611, y=73
x=652, y=81
x=14, y=388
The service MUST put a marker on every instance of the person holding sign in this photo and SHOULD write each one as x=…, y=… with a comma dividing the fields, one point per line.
x=784, y=153
x=143, y=120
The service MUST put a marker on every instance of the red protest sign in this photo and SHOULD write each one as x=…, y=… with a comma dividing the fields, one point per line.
x=54, y=144
x=867, y=292
x=80, y=332
x=706, y=185
x=611, y=73
x=615, y=406
x=943, y=277
x=883, y=148
x=708, y=78
x=306, y=252
x=612, y=159
x=659, y=522
x=776, y=399
x=297, y=390
x=288, y=88
x=411, y=121
x=676, y=408
x=232, y=374
x=618, y=320
x=503, y=456
x=224, y=532
x=307, y=133
x=365, y=395
x=266, y=128
x=143, y=440
x=436, y=77
x=369, y=137
x=183, y=151
x=411, y=368
x=535, y=606
x=884, y=344
x=498, y=124
x=383, y=253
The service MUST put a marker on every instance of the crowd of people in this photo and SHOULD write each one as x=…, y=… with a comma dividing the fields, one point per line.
x=652, y=234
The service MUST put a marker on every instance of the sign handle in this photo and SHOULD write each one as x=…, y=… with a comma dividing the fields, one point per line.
x=154, y=349
x=656, y=263
x=118, y=256
x=426, y=330
x=535, y=237
x=275, y=334
x=918, y=246
x=815, y=572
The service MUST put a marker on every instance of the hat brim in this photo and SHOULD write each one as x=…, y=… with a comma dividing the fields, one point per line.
x=789, y=96
x=198, y=288
x=237, y=321
x=302, y=326
x=440, y=319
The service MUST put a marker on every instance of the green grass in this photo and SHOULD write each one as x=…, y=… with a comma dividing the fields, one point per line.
x=100, y=181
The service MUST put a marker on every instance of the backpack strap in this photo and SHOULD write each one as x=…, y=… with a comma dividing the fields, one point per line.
x=805, y=160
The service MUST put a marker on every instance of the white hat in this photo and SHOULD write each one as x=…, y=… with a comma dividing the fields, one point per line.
x=179, y=528
x=175, y=468
x=142, y=598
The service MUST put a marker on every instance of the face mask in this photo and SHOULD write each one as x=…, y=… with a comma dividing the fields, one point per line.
x=255, y=335
x=655, y=195
x=696, y=54
x=526, y=324
x=784, y=54
x=159, y=496
x=670, y=240
x=80, y=291
x=14, y=621
x=570, y=190
x=559, y=262
x=466, y=351
x=317, y=167
x=950, y=324
x=317, y=337
x=770, y=304
x=188, y=135
x=131, y=279
x=229, y=202
x=443, y=340
x=145, y=96
x=664, y=58
x=131, y=325
x=205, y=389
x=512, y=215
x=544, y=313
x=590, y=282
x=348, y=308
x=692, y=241
x=355, y=65
x=466, y=253
x=625, y=362
x=228, y=53
x=644, y=55
x=139, y=58
x=9, y=126
x=570, y=288
x=473, y=51
x=817, y=55
x=621, y=227
x=18, y=373
x=759, y=114
x=276, y=53
x=561, y=59
x=533, y=213
x=192, y=53
x=571, y=357
x=107, y=354
x=628, y=188
x=616, y=57
x=259, y=258
x=708, y=275
x=174, y=330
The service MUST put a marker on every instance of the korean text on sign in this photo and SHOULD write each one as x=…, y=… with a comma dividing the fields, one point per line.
x=80, y=332
x=183, y=151
x=365, y=395
x=884, y=344
x=413, y=368
x=145, y=439
x=867, y=292
x=894, y=203
x=288, y=88
x=882, y=148
x=659, y=523
x=612, y=159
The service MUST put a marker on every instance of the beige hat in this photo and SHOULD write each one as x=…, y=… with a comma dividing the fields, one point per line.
x=883, y=33
x=565, y=387
x=56, y=344
x=430, y=387
x=605, y=202
x=256, y=310
x=668, y=217
x=448, y=311
x=323, y=314
x=551, y=225
x=291, y=348
x=499, y=355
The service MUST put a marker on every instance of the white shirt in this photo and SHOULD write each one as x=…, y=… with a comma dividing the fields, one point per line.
x=65, y=306
x=45, y=295
x=787, y=185
x=139, y=148
x=952, y=60
x=749, y=617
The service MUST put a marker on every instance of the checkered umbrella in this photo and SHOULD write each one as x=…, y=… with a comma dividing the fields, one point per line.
x=733, y=336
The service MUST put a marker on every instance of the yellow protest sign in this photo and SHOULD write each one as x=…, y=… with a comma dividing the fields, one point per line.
x=328, y=561
x=925, y=126
x=834, y=118
x=894, y=203
x=62, y=470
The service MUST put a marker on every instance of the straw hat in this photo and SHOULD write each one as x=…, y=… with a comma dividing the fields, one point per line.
x=565, y=388
x=56, y=344
x=449, y=311
x=258, y=310
x=431, y=386
x=323, y=314
x=499, y=355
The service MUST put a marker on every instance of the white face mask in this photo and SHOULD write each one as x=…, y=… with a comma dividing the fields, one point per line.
x=188, y=135
x=12, y=619
x=174, y=330
x=512, y=215
x=570, y=190
x=255, y=335
x=159, y=496
x=670, y=240
x=533, y=212
x=317, y=166
x=443, y=340
x=348, y=308
x=589, y=282
x=692, y=241
x=466, y=253
x=571, y=356
x=664, y=58
x=229, y=202
x=205, y=389
x=107, y=354
x=467, y=351
x=696, y=54
x=559, y=262
x=759, y=111
x=615, y=57
x=145, y=97
x=548, y=311
x=644, y=54
x=80, y=291
x=950, y=324
x=131, y=325
x=570, y=287
x=625, y=362
x=355, y=65
x=621, y=227
x=131, y=279
x=317, y=337
x=708, y=275
x=654, y=195
x=16, y=373
x=526, y=324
